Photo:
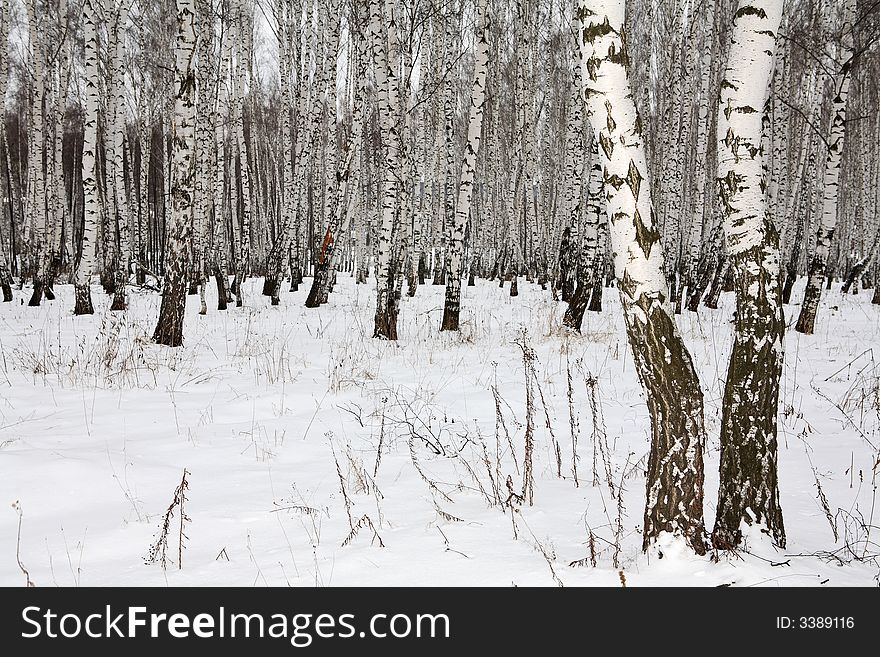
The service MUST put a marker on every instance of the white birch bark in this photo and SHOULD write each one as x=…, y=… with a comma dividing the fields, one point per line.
x=748, y=489
x=831, y=180
x=5, y=273
x=221, y=208
x=675, y=463
x=286, y=13
x=242, y=265
x=117, y=156
x=37, y=216
x=452, y=307
x=169, y=328
x=586, y=265
x=383, y=35
x=204, y=112
x=92, y=208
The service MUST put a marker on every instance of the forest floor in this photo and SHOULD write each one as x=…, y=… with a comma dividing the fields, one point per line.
x=317, y=455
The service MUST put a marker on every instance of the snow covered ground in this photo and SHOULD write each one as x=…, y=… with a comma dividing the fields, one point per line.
x=269, y=409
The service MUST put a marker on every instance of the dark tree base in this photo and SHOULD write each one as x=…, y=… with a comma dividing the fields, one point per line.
x=7, y=292
x=118, y=302
x=83, y=301
x=37, y=294
x=221, y=292
x=574, y=314
x=675, y=475
x=748, y=475
x=108, y=282
x=386, y=326
x=596, y=297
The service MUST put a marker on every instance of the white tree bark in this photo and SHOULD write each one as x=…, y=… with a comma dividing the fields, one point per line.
x=169, y=329
x=5, y=273
x=242, y=265
x=36, y=209
x=748, y=490
x=117, y=155
x=675, y=464
x=452, y=306
x=221, y=116
x=831, y=181
x=383, y=34
x=92, y=205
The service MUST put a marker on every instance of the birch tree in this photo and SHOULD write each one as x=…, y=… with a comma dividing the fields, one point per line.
x=38, y=220
x=831, y=179
x=5, y=272
x=242, y=264
x=675, y=401
x=92, y=204
x=169, y=328
x=452, y=306
x=117, y=156
x=748, y=489
x=383, y=34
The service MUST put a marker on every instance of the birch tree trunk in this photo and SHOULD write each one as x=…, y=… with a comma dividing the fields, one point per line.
x=452, y=306
x=339, y=211
x=675, y=401
x=242, y=264
x=118, y=114
x=572, y=209
x=202, y=183
x=5, y=273
x=37, y=216
x=286, y=13
x=169, y=329
x=748, y=489
x=830, y=185
x=587, y=272
x=221, y=117
x=92, y=204
x=383, y=32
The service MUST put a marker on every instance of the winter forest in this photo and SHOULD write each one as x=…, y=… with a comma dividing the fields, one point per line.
x=395, y=292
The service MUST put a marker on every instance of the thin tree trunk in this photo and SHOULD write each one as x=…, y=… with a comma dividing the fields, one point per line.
x=383, y=31
x=92, y=210
x=813, y=293
x=169, y=329
x=118, y=113
x=452, y=305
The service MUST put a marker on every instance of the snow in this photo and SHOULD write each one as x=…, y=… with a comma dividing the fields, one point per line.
x=97, y=425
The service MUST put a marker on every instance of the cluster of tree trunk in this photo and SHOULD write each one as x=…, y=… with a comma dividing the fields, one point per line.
x=672, y=150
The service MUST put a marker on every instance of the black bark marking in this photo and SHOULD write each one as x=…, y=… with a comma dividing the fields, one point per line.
x=594, y=30
x=645, y=236
x=606, y=144
x=628, y=285
x=610, y=120
x=749, y=10
x=634, y=179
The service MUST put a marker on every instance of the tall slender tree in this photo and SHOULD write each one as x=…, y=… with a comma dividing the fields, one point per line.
x=169, y=328
x=386, y=60
x=92, y=204
x=675, y=401
x=831, y=180
x=748, y=489
x=452, y=307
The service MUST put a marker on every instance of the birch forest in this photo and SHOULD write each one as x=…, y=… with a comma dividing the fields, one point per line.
x=472, y=291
